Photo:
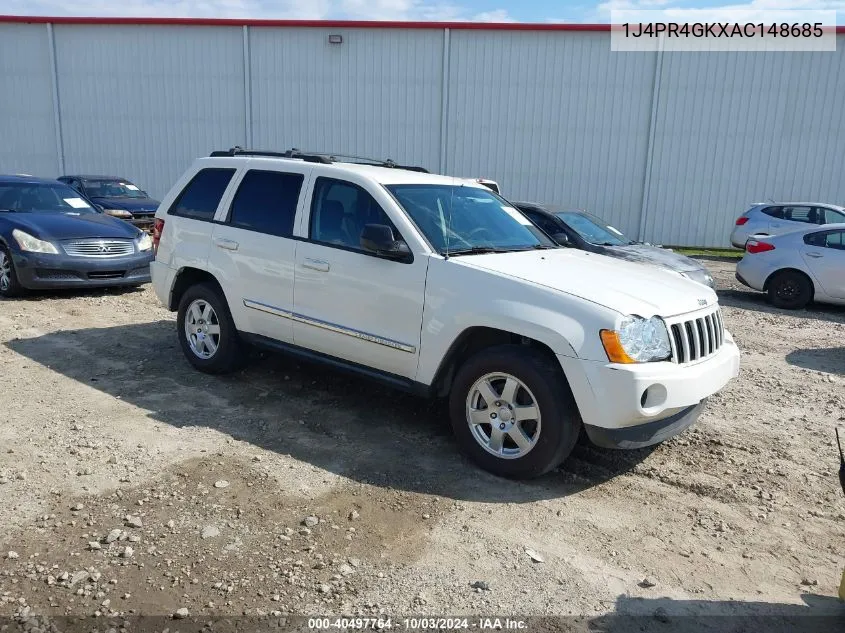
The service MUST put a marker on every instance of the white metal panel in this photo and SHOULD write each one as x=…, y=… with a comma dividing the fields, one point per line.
x=554, y=117
x=144, y=102
x=27, y=129
x=376, y=94
x=738, y=128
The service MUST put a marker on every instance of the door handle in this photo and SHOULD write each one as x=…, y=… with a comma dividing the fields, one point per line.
x=229, y=245
x=316, y=264
x=816, y=255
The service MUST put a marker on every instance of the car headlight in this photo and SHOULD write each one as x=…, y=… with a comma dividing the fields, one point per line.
x=118, y=213
x=145, y=243
x=637, y=340
x=32, y=244
x=701, y=276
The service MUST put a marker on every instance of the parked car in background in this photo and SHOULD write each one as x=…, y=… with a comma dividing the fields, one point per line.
x=50, y=237
x=582, y=230
x=440, y=287
x=797, y=267
x=777, y=218
x=116, y=197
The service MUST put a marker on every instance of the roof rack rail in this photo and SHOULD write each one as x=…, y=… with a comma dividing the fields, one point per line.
x=317, y=157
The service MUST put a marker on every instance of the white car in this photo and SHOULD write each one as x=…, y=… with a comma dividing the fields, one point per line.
x=437, y=286
x=777, y=218
x=797, y=267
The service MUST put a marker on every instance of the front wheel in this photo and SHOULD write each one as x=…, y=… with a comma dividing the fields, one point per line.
x=9, y=284
x=207, y=331
x=790, y=289
x=512, y=411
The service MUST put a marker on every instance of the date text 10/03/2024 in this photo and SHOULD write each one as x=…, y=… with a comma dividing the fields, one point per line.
x=418, y=624
x=701, y=30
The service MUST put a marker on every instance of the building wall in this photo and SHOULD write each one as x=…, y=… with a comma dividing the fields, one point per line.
x=668, y=147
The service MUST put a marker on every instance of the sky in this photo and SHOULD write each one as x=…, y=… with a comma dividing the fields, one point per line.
x=595, y=11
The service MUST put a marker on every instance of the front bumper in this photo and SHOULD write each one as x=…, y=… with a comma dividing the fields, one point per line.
x=660, y=397
x=43, y=271
x=645, y=434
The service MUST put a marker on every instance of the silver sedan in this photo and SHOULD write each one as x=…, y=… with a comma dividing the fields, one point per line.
x=798, y=267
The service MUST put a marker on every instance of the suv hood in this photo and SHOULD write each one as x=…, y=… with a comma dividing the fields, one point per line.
x=128, y=204
x=626, y=287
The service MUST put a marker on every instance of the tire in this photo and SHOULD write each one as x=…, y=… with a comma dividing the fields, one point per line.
x=10, y=286
x=789, y=289
x=217, y=349
x=550, y=436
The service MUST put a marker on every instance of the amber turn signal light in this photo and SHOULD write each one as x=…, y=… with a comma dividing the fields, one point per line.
x=613, y=348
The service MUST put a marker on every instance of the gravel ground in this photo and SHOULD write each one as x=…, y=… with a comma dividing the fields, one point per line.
x=131, y=484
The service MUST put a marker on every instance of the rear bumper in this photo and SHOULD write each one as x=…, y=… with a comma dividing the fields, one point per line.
x=645, y=434
x=42, y=271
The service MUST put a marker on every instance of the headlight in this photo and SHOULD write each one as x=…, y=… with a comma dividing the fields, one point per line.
x=118, y=213
x=32, y=244
x=701, y=276
x=637, y=340
x=145, y=243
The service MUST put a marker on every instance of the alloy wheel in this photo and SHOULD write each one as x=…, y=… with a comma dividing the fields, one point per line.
x=503, y=415
x=202, y=329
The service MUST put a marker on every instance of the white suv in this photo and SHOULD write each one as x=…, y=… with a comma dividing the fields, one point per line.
x=438, y=286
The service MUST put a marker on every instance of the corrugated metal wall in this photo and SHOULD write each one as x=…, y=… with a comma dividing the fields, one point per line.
x=670, y=148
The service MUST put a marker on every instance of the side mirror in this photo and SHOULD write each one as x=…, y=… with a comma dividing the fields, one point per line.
x=378, y=239
x=562, y=239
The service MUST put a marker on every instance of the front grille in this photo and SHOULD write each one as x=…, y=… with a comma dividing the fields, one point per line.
x=47, y=274
x=107, y=274
x=99, y=248
x=698, y=338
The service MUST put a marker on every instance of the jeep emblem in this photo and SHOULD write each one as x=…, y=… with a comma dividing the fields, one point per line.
x=702, y=302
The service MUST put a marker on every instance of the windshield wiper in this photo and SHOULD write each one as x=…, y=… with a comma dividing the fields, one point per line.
x=476, y=250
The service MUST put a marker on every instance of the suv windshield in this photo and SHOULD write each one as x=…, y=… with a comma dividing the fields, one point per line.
x=592, y=229
x=461, y=219
x=112, y=189
x=27, y=197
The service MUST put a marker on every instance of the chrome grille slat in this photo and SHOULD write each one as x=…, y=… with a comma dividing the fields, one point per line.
x=697, y=338
x=98, y=248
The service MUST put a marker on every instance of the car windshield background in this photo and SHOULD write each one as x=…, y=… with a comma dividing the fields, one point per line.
x=41, y=198
x=112, y=189
x=592, y=229
x=464, y=218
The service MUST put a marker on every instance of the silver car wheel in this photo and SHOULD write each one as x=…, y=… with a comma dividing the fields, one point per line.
x=503, y=415
x=5, y=271
x=202, y=329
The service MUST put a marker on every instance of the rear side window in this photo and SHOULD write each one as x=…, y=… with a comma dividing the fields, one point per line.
x=800, y=214
x=201, y=196
x=775, y=212
x=266, y=202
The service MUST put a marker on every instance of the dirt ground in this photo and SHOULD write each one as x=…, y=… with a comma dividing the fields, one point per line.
x=131, y=484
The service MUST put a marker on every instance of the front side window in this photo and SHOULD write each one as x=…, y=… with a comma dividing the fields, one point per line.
x=832, y=216
x=266, y=202
x=201, y=196
x=460, y=219
x=42, y=198
x=102, y=188
x=592, y=229
x=339, y=212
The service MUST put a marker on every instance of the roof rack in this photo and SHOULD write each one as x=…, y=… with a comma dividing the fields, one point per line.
x=325, y=158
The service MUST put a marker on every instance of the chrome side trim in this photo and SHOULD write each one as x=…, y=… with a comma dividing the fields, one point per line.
x=332, y=327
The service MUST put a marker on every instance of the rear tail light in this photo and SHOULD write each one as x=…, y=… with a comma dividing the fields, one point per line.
x=754, y=246
x=158, y=227
x=742, y=220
